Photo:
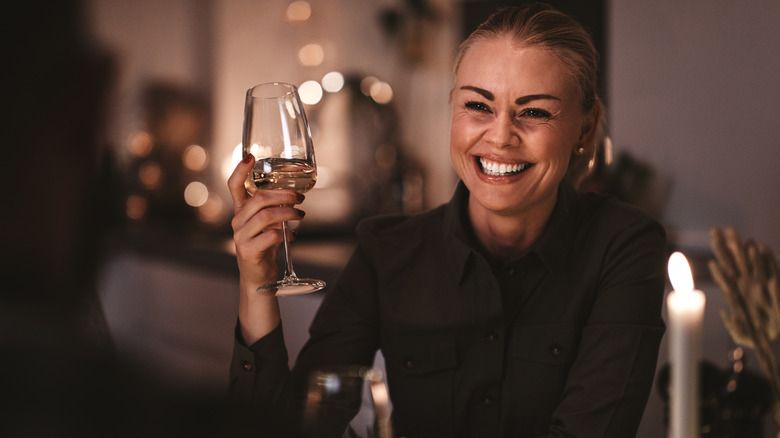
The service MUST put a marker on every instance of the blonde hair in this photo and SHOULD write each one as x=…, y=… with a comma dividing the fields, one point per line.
x=542, y=26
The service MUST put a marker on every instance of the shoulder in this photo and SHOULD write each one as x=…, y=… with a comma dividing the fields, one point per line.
x=604, y=211
x=398, y=226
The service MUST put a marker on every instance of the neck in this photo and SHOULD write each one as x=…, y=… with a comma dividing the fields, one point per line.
x=505, y=236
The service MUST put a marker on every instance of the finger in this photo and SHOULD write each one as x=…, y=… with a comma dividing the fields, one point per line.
x=273, y=206
x=254, y=248
x=246, y=226
x=236, y=181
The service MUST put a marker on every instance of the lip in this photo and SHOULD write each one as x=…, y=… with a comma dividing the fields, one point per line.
x=500, y=169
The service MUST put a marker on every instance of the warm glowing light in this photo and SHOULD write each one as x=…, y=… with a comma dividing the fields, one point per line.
x=333, y=82
x=680, y=273
x=196, y=194
x=150, y=175
x=259, y=151
x=195, y=158
x=608, y=151
x=140, y=144
x=135, y=207
x=311, y=55
x=211, y=210
x=367, y=83
x=381, y=92
x=230, y=162
x=298, y=11
x=325, y=177
x=311, y=92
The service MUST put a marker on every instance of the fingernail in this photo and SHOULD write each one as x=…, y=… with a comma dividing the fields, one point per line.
x=301, y=213
x=247, y=158
x=300, y=196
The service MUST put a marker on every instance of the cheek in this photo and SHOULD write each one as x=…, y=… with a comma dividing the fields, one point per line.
x=462, y=134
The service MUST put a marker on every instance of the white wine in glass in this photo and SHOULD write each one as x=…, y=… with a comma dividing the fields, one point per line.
x=277, y=133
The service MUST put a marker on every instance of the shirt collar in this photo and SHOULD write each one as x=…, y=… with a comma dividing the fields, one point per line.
x=555, y=241
x=551, y=247
x=457, y=243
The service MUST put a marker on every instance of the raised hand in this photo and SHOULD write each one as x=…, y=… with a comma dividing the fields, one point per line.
x=257, y=236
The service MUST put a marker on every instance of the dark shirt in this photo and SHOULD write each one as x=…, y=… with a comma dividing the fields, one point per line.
x=562, y=341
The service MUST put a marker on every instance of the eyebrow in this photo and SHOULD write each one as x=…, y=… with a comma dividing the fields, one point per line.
x=519, y=101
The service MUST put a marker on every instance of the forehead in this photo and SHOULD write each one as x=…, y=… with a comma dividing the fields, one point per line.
x=499, y=65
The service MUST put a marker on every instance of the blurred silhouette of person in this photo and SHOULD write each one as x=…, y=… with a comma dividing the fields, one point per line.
x=56, y=347
x=59, y=371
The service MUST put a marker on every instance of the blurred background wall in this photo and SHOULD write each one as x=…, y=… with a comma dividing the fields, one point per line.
x=692, y=89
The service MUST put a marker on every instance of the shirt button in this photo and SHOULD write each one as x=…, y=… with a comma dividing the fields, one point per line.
x=487, y=401
x=409, y=362
x=556, y=350
x=510, y=270
x=247, y=366
x=492, y=336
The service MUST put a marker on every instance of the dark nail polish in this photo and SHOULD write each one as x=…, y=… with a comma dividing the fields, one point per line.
x=247, y=158
x=301, y=213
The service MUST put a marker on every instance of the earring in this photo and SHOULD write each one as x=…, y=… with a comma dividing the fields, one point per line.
x=581, y=150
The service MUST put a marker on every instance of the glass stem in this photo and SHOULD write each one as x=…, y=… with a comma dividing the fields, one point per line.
x=287, y=257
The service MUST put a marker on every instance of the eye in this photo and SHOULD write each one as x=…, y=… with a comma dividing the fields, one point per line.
x=535, y=113
x=477, y=106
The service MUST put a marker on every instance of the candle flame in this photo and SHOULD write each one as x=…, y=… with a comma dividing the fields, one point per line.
x=680, y=273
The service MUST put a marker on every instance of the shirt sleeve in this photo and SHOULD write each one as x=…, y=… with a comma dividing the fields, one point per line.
x=260, y=389
x=611, y=378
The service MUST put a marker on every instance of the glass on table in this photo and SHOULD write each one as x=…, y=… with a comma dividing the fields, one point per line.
x=347, y=402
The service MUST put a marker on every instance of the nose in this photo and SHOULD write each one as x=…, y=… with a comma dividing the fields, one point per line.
x=501, y=132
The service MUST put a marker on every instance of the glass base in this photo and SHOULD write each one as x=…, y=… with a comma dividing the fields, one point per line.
x=293, y=286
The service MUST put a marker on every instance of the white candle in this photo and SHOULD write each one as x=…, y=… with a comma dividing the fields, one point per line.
x=686, y=311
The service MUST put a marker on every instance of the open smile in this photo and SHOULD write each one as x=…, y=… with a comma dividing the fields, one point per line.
x=494, y=168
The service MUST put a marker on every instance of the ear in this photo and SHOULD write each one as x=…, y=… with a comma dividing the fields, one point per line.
x=590, y=126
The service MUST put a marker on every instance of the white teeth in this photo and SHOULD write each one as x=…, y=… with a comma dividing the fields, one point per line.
x=499, y=169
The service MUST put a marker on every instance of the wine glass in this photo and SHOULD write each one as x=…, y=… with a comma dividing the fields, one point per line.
x=347, y=401
x=277, y=133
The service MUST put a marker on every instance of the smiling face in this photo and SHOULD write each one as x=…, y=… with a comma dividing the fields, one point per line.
x=516, y=120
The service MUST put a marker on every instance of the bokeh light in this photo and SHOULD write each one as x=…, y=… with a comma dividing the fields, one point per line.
x=333, y=82
x=311, y=92
x=140, y=144
x=195, y=158
x=231, y=161
x=367, y=83
x=311, y=55
x=135, y=207
x=211, y=211
x=381, y=92
x=150, y=175
x=298, y=12
x=196, y=194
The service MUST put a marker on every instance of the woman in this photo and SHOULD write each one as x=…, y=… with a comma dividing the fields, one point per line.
x=520, y=308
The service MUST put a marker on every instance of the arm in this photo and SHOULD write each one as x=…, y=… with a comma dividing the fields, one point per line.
x=611, y=378
x=259, y=375
x=257, y=236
